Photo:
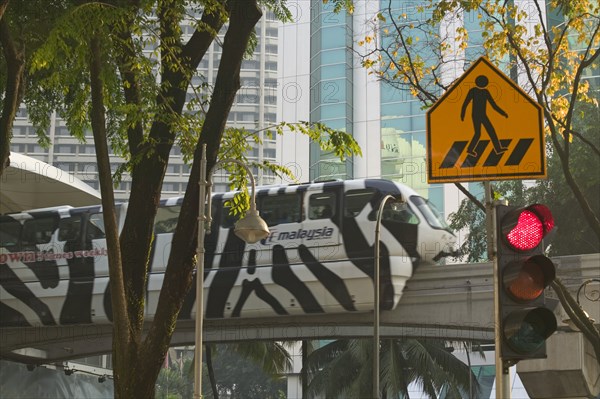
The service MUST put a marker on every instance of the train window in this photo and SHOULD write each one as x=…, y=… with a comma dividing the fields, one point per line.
x=39, y=230
x=399, y=212
x=280, y=209
x=356, y=200
x=10, y=230
x=429, y=211
x=69, y=229
x=166, y=219
x=321, y=206
x=95, y=227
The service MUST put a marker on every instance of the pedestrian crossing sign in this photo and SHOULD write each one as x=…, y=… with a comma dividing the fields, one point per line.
x=485, y=127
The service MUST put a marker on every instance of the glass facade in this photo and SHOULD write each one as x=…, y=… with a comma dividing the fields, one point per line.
x=403, y=126
x=330, y=85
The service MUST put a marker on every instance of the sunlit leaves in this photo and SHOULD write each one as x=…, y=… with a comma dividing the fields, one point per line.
x=550, y=48
x=238, y=143
x=549, y=55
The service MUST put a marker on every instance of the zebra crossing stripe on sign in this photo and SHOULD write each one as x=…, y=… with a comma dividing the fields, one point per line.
x=493, y=158
x=485, y=127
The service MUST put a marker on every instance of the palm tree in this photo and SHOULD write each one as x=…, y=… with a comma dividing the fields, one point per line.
x=233, y=367
x=342, y=369
x=175, y=382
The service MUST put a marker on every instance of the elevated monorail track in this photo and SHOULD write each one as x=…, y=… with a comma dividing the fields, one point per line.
x=451, y=302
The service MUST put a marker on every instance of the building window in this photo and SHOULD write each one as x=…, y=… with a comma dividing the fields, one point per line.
x=173, y=169
x=173, y=187
x=269, y=153
x=65, y=148
x=61, y=131
x=247, y=116
x=250, y=64
x=35, y=148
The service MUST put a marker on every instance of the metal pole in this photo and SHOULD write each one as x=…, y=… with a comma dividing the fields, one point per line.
x=204, y=222
x=502, y=376
x=200, y=277
x=376, y=288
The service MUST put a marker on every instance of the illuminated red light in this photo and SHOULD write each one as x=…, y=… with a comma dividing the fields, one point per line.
x=544, y=215
x=528, y=232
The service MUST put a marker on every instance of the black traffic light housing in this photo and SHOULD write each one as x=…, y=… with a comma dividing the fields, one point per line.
x=524, y=273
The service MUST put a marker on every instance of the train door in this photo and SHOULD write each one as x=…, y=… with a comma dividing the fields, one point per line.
x=320, y=227
x=37, y=240
x=282, y=211
x=165, y=224
x=29, y=268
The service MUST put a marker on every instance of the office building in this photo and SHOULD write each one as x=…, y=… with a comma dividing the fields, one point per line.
x=255, y=108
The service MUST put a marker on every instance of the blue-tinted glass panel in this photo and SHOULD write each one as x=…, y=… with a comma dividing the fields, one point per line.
x=337, y=124
x=420, y=140
x=418, y=122
x=333, y=91
x=394, y=110
x=436, y=196
x=392, y=94
x=333, y=56
x=333, y=37
x=398, y=124
x=332, y=111
x=332, y=71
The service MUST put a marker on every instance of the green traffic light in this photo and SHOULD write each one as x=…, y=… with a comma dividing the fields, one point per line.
x=526, y=331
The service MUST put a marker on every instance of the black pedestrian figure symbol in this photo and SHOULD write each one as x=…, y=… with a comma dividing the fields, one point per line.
x=480, y=97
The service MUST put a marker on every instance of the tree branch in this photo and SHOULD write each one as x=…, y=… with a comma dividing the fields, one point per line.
x=148, y=172
x=178, y=276
x=470, y=196
x=577, y=315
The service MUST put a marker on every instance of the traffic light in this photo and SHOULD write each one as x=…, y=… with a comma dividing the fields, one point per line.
x=523, y=274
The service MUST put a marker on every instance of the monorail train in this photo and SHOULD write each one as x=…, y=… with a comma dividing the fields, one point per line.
x=318, y=257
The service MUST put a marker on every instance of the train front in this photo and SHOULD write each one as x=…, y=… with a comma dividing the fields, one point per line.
x=426, y=236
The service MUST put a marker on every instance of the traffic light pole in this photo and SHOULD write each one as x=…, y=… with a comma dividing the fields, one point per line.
x=502, y=373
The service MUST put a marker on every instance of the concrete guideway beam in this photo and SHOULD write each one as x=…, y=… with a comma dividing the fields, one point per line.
x=449, y=302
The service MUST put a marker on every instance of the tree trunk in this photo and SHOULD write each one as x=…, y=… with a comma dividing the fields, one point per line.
x=138, y=380
x=15, y=75
x=121, y=336
x=178, y=276
x=3, y=6
x=304, y=371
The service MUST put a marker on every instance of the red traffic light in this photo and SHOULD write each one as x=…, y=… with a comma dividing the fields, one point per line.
x=524, y=228
x=525, y=280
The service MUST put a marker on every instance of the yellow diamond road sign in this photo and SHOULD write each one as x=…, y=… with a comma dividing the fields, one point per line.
x=485, y=128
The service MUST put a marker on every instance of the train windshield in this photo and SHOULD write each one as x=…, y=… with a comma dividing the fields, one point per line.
x=430, y=212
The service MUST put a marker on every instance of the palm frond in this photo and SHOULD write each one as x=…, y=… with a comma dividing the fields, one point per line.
x=343, y=369
x=272, y=357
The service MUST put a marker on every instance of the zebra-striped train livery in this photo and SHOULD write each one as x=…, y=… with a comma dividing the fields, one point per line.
x=318, y=257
